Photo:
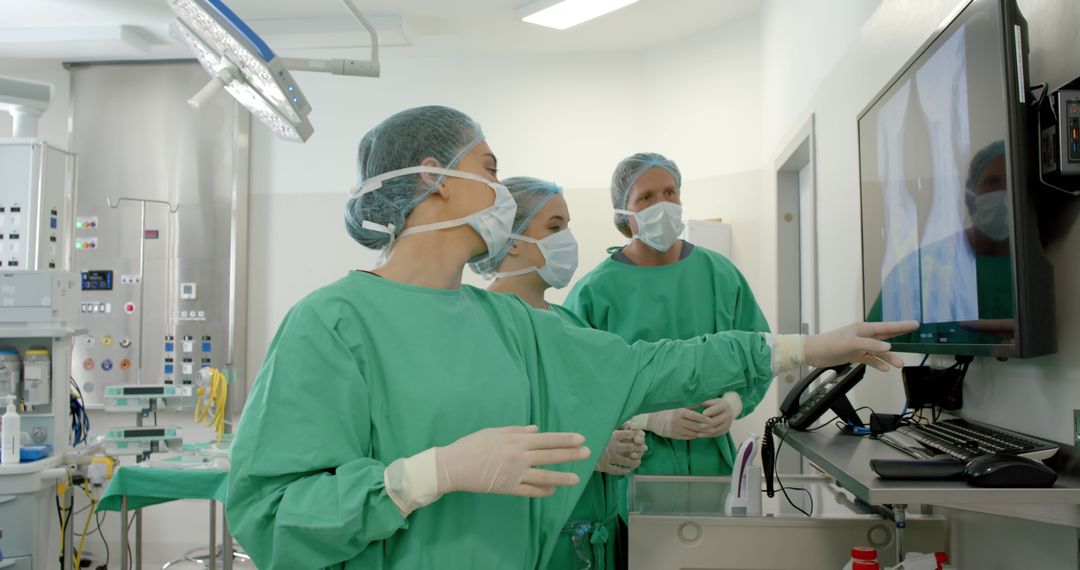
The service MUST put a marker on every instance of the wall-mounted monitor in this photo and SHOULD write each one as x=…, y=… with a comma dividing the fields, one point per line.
x=950, y=234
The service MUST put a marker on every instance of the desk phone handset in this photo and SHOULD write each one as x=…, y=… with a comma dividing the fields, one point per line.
x=831, y=393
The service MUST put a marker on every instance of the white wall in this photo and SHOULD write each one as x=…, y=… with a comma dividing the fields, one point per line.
x=1035, y=396
x=801, y=43
x=702, y=101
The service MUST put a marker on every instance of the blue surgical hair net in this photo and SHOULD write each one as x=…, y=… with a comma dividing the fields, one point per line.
x=403, y=140
x=530, y=194
x=627, y=173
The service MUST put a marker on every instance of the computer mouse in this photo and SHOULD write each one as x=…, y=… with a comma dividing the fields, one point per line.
x=1008, y=471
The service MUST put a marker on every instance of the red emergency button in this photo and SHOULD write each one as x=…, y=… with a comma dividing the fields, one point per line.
x=129, y=308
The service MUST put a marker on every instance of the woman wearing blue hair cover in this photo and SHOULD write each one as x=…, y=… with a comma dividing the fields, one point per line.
x=544, y=254
x=404, y=420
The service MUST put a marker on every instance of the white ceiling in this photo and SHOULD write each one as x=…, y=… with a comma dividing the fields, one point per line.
x=91, y=29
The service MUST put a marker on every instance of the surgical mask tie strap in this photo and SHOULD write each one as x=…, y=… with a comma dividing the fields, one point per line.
x=392, y=231
x=446, y=223
x=387, y=229
x=375, y=182
x=503, y=274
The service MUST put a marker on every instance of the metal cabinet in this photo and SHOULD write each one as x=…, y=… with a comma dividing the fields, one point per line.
x=680, y=522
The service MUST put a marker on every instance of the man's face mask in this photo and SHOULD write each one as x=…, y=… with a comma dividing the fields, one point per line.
x=659, y=225
x=990, y=215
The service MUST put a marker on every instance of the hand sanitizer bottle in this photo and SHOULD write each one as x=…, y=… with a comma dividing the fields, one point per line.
x=10, y=434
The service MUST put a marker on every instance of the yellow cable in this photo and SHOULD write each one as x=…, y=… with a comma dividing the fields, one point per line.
x=221, y=394
x=61, y=490
x=86, y=527
x=215, y=396
x=200, y=411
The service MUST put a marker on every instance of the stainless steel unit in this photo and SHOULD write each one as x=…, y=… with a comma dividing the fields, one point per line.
x=35, y=205
x=680, y=522
x=163, y=199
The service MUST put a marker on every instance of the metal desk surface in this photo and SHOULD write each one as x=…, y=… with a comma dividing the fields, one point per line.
x=847, y=459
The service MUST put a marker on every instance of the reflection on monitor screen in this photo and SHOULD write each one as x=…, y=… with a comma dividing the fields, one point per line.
x=937, y=217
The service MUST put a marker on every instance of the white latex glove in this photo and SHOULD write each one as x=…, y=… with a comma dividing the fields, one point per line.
x=503, y=460
x=494, y=460
x=680, y=423
x=721, y=412
x=624, y=451
x=857, y=343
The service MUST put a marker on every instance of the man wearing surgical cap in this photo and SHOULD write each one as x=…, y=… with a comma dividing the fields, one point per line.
x=663, y=287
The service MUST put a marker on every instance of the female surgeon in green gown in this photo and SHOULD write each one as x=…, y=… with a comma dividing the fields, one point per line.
x=542, y=255
x=403, y=420
x=661, y=287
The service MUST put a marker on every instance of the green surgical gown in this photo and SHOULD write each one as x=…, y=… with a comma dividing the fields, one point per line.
x=366, y=370
x=701, y=294
x=591, y=533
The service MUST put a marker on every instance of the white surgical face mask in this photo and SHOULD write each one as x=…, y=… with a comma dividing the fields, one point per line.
x=493, y=223
x=560, y=251
x=659, y=225
x=990, y=215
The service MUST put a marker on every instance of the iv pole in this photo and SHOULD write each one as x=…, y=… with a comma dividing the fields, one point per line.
x=139, y=365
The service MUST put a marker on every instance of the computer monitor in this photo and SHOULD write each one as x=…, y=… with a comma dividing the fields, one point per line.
x=949, y=227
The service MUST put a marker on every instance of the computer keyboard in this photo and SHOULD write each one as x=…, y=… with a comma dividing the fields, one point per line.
x=965, y=440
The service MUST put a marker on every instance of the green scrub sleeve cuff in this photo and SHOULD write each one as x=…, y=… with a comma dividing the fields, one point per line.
x=316, y=520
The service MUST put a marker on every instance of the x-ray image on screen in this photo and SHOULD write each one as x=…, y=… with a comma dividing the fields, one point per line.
x=935, y=209
x=924, y=244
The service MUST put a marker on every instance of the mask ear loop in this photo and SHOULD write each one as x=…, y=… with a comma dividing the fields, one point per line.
x=630, y=214
x=515, y=273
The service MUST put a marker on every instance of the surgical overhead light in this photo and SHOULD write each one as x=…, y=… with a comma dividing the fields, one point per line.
x=563, y=14
x=238, y=60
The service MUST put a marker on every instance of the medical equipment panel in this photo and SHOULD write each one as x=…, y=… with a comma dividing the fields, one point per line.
x=35, y=205
x=159, y=227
